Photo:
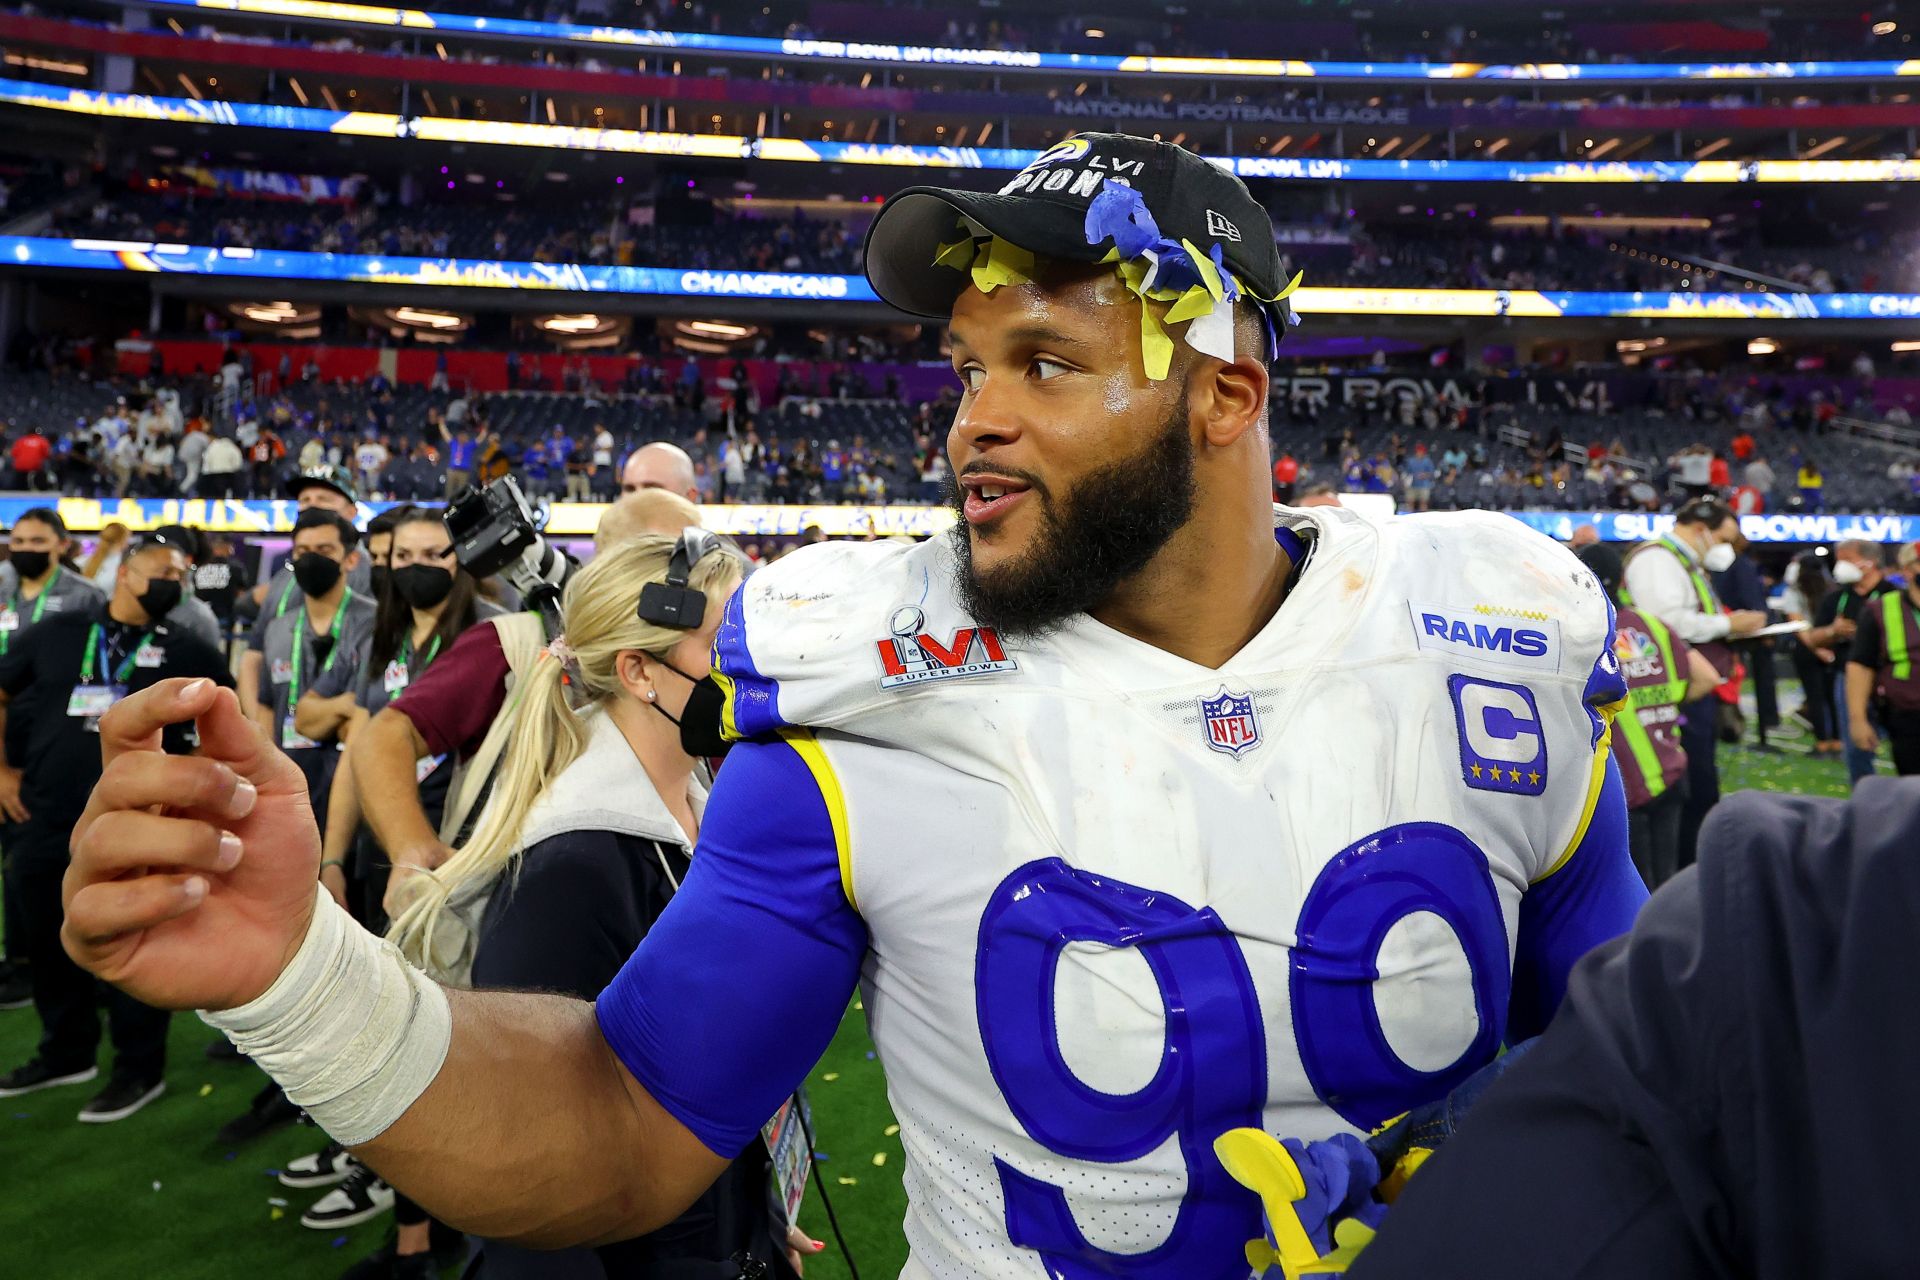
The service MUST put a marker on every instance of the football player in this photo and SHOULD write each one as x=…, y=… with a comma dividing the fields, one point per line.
x=1142, y=810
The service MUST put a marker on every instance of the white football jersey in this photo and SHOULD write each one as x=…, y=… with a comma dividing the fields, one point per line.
x=1120, y=903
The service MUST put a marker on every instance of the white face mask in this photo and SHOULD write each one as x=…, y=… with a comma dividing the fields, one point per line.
x=1846, y=572
x=1719, y=556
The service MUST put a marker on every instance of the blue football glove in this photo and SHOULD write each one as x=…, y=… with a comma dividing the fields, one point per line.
x=1324, y=1200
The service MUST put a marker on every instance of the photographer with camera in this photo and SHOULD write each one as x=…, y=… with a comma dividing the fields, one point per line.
x=586, y=837
x=454, y=710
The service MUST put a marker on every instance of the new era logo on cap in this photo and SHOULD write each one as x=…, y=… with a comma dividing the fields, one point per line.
x=1217, y=225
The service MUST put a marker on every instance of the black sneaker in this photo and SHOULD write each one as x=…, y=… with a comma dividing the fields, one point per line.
x=220, y=1049
x=363, y=1196
x=38, y=1075
x=123, y=1096
x=385, y=1263
x=16, y=990
x=329, y=1165
x=269, y=1110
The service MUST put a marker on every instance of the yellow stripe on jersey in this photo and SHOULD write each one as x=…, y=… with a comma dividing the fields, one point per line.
x=1602, y=754
x=809, y=751
x=729, y=726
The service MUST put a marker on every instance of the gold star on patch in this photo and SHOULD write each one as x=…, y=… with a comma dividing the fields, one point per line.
x=1477, y=770
x=1513, y=775
x=1533, y=779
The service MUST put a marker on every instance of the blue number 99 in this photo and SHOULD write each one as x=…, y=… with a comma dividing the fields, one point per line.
x=1212, y=1074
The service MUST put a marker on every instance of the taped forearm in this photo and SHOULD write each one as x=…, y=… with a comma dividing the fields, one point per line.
x=351, y=1031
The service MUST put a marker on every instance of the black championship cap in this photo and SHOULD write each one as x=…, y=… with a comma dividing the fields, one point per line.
x=1044, y=210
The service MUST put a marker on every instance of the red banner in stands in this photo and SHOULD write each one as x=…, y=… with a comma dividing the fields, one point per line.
x=490, y=371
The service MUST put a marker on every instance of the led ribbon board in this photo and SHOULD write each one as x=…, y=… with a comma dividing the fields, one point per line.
x=510, y=133
x=575, y=277
x=362, y=15
x=578, y=519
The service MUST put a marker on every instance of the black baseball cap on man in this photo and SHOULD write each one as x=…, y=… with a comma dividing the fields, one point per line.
x=1044, y=210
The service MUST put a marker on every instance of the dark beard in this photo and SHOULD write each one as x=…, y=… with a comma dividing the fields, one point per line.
x=1096, y=536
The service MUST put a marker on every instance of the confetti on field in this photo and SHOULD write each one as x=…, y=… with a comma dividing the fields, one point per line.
x=23, y=1115
x=339, y=1241
x=205, y=1089
x=277, y=1202
x=879, y=1159
x=156, y=1186
x=859, y=1007
x=848, y=1182
x=822, y=1156
x=231, y=1155
x=891, y=1129
x=871, y=1055
x=831, y=1076
x=274, y=1215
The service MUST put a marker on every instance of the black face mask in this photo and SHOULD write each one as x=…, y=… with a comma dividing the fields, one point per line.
x=160, y=598
x=30, y=564
x=315, y=573
x=699, y=720
x=377, y=579
x=423, y=585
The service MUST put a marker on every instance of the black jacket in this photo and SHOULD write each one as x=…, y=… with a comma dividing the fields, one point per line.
x=581, y=903
x=1727, y=1090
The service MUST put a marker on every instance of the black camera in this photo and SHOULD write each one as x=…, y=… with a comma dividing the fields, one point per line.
x=495, y=530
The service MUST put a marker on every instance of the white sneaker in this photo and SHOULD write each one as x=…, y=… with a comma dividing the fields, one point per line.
x=324, y=1168
x=361, y=1197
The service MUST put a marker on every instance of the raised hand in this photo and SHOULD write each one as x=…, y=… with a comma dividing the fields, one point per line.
x=192, y=880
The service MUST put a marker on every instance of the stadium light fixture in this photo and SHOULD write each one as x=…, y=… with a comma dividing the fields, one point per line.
x=271, y=312
x=1761, y=346
x=429, y=319
x=585, y=322
x=1095, y=33
x=47, y=64
x=719, y=329
x=1908, y=345
x=1885, y=28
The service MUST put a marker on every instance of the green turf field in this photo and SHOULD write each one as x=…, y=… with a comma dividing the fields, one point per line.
x=154, y=1197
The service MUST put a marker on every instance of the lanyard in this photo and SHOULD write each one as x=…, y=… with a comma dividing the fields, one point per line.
x=97, y=638
x=300, y=647
x=406, y=654
x=39, y=607
x=285, y=592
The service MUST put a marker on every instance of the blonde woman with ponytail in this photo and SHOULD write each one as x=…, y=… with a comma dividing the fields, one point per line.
x=586, y=836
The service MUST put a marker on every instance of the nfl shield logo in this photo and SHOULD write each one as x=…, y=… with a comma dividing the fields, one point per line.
x=1230, y=721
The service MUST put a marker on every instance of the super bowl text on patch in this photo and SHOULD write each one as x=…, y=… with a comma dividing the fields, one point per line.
x=1231, y=722
x=913, y=655
x=1503, y=746
x=1520, y=638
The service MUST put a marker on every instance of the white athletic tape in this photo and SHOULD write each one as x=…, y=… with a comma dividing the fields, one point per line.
x=351, y=1031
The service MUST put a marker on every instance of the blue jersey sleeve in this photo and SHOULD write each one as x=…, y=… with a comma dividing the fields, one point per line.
x=740, y=985
x=1593, y=895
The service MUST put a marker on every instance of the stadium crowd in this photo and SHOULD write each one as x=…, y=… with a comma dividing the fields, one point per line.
x=1459, y=252
x=206, y=436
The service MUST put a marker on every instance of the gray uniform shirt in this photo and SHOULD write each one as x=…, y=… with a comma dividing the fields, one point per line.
x=283, y=596
x=321, y=656
x=193, y=616
x=69, y=591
